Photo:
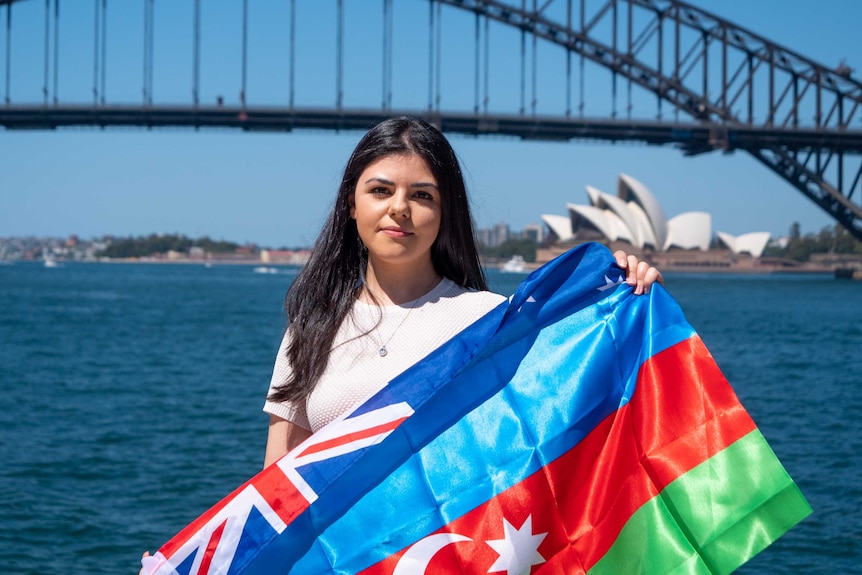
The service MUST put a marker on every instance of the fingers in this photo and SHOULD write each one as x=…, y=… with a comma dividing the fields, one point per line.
x=652, y=276
x=640, y=275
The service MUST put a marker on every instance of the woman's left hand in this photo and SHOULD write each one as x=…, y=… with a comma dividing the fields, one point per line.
x=640, y=275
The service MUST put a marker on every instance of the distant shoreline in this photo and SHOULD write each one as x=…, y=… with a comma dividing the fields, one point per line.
x=804, y=268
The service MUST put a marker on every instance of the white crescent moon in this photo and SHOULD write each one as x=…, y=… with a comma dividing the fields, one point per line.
x=416, y=560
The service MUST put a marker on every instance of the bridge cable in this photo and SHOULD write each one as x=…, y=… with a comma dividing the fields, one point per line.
x=292, y=50
x=339, y=53
x=581, y=53
x=96, y=53
x=8, y=49
x=56, y=51
x=486, y=98
x=47, y=58
x=387, y=54
x=104, y=50
x=614, y=47
x=476, y=67
x=534, y=71
x=244, y=53
x=431, y=25
x=196, y=54
x=438, y=64
x=523, y=61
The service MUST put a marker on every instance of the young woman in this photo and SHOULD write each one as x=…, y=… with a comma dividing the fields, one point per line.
x=394, y=274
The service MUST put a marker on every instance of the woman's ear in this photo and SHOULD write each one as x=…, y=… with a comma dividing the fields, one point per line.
x=351, y=201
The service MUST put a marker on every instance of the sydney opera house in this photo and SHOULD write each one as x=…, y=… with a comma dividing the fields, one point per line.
x=634, y=217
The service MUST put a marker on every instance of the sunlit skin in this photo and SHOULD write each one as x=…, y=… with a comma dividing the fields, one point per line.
x=639, y=275
x=398, y=209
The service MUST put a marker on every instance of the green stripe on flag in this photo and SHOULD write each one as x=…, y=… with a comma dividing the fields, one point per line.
x=713, y=518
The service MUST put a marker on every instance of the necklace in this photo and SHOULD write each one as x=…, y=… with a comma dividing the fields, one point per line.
x=383, y=352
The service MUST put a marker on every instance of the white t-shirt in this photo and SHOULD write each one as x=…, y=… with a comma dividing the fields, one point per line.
x=356, y=369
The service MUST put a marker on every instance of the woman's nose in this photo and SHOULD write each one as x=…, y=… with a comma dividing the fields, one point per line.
x=399, y=206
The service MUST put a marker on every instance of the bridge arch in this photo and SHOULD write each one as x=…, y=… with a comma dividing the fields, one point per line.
x=727, y=88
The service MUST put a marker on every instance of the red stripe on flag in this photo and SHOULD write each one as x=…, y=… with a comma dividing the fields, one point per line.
x=284, y=498
x=273, y=486
x=190, y=530
x=683, y=412
x=355, y=436
x=211, y=547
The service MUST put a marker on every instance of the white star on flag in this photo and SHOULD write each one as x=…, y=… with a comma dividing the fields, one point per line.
x=609, y=283
x=519, y=549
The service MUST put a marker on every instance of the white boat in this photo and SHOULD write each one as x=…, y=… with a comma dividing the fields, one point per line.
x=265, y=270
x=515, y=265
x=50, y=262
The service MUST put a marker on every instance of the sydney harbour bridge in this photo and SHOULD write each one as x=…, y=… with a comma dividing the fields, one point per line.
x=660, y=72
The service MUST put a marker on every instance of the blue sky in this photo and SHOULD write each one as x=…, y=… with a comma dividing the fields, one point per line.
x=275, y=188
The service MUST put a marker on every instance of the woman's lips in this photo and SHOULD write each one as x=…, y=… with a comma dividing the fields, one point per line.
x=393, y=232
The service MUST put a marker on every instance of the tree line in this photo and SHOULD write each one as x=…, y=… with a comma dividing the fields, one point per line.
x=799, y=247
x=153, y=244
x=829, y=240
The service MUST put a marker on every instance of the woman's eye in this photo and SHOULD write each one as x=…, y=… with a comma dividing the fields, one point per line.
x=379, y=191
x=424, y=195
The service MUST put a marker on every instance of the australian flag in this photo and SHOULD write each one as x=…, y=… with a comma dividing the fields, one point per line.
x=576, y=428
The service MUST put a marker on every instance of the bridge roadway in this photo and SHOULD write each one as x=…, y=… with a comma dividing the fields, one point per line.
x=689, y=136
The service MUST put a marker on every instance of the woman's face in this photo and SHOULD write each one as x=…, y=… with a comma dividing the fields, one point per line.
x=397, y=208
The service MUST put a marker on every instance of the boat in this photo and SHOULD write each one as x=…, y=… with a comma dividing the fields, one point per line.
x=515, y=265
x=265, y=270
x=50, y=262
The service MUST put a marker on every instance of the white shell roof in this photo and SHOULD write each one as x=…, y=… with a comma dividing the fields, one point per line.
x=688, y=231
x=753, y=242
x=637, y=230
x=631, y=190
x=606, y=221
x=645, y=228
x=560, y=225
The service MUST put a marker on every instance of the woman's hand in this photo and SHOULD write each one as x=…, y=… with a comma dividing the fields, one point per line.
x=640, y=275
x=144, y=563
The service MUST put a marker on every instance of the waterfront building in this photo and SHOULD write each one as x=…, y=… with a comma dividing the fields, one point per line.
x=635, y=217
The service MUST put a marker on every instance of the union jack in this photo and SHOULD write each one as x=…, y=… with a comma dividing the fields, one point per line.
x=262, y=508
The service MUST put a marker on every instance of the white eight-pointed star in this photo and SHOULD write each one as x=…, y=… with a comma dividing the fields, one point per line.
x=519, y=549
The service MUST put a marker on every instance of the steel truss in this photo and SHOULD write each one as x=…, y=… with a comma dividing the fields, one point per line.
x=819, y=154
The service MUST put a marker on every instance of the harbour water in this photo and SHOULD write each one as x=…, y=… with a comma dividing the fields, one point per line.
x=131, y=398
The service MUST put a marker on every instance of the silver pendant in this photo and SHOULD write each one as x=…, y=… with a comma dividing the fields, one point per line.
x=383, y=351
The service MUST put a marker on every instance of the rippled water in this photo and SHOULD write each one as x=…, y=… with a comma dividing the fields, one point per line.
x=131, y=398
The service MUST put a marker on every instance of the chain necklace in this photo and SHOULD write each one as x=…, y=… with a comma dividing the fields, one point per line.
x=383, y=352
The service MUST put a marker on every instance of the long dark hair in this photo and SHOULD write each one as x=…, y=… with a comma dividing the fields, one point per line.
x=326, y=288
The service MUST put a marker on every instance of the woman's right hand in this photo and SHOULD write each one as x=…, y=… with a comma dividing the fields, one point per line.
x=144, y=556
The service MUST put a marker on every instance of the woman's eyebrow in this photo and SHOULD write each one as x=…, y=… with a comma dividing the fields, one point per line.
x=381, y=180
x=391, y=183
